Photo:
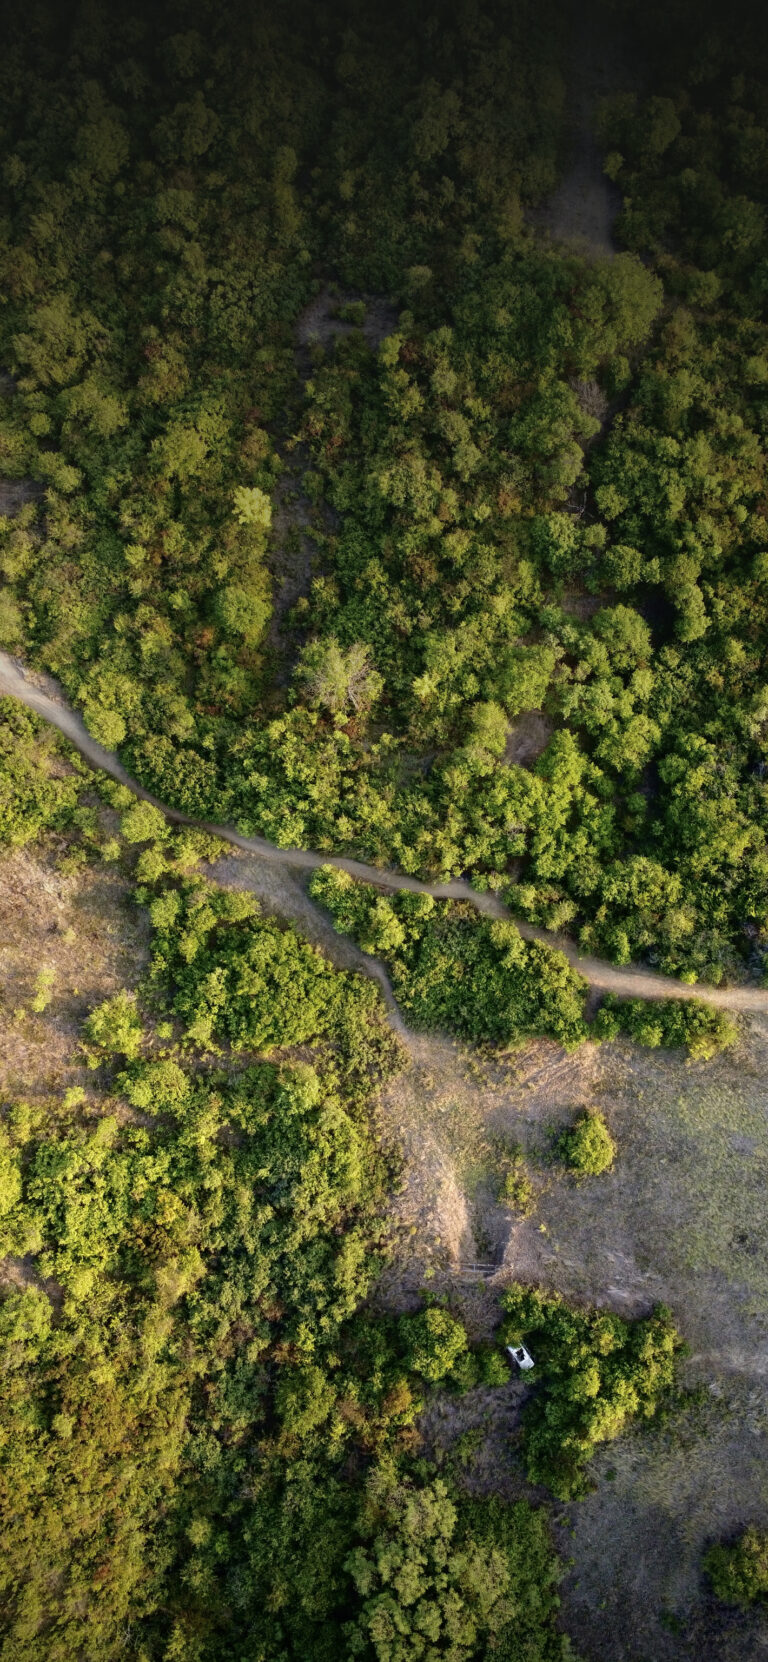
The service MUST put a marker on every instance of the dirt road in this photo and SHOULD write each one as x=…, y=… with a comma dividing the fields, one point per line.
x=629, y=981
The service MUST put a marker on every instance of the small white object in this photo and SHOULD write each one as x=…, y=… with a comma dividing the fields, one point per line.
x=521, y=1356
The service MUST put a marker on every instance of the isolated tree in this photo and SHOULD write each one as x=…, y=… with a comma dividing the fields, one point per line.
x=252, y=507
x=739, y=1572
x=587, y=1146
x=333, y=679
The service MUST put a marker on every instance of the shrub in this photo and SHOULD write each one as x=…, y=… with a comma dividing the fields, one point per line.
x=703, y=1030
x=114, y=1028
x=587, y=1146
x=739, y=1572
x=517, y=1189
x=434, y=1341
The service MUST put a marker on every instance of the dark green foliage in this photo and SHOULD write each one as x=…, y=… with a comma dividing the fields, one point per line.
x=154, y=352
x=587, y=1146
x=739, y=1572
x=594, y=1374
x=703, y=1030
x=455, y=971
x=157, y=404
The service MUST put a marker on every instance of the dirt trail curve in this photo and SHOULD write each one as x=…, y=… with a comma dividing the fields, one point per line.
x=629, y=981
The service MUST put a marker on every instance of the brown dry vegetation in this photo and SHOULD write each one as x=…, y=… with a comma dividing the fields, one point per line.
x=80, y=928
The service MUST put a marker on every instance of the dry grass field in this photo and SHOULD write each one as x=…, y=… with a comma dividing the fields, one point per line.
x=681, y=1219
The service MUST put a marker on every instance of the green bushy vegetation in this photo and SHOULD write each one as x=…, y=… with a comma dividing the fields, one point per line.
x=453, y=970
x=456, y=971
x=594, y=1373
x=703, y=1030
x=209, y=1439
x=208, y=1443
x=210, y=1436
x=739, y=1572
x=462, y=489
x=33, y=799
x=587, y=1146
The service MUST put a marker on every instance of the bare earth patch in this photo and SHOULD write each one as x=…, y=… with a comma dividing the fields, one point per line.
x=16, y=493
x=528, y=738
x=321, y=322
x=583, y=207
x=78, y=927
x=459, y=1117
x=293, y=548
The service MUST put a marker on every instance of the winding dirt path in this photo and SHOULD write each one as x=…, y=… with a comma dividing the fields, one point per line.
x=630, y=981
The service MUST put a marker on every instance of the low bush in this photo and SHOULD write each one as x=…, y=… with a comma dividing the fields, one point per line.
x=587, y=1146
x=703, y=1030
x=517, y=1190
x=739, y=1572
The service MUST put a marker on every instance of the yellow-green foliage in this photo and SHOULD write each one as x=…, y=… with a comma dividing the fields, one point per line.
x=517, y=1190
x=739, y=1572
x=587, y=1147
x=195, y=1394
x=702, y=1029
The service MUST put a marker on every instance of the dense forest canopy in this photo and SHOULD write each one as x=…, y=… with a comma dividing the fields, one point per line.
x=532, y=480
x=352, y=508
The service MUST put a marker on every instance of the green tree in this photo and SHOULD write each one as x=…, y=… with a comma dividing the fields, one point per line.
x=333, y=679
x=739, y=1572
x=587, y=1146
x=424, y=1588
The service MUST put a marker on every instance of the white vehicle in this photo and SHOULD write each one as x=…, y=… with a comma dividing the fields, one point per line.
x=521, y=1356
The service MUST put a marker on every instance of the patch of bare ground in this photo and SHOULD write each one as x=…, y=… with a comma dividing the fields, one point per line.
x=583, y=207
x=583, y=606
x=77, y=927
x=326, y=319
x=474, y=1435
x=458, y=1118
x=528, y=738
x=681, y=1219
x=16, y=493
x=636, y=1589
x=17, y=1275
x=292, y=559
